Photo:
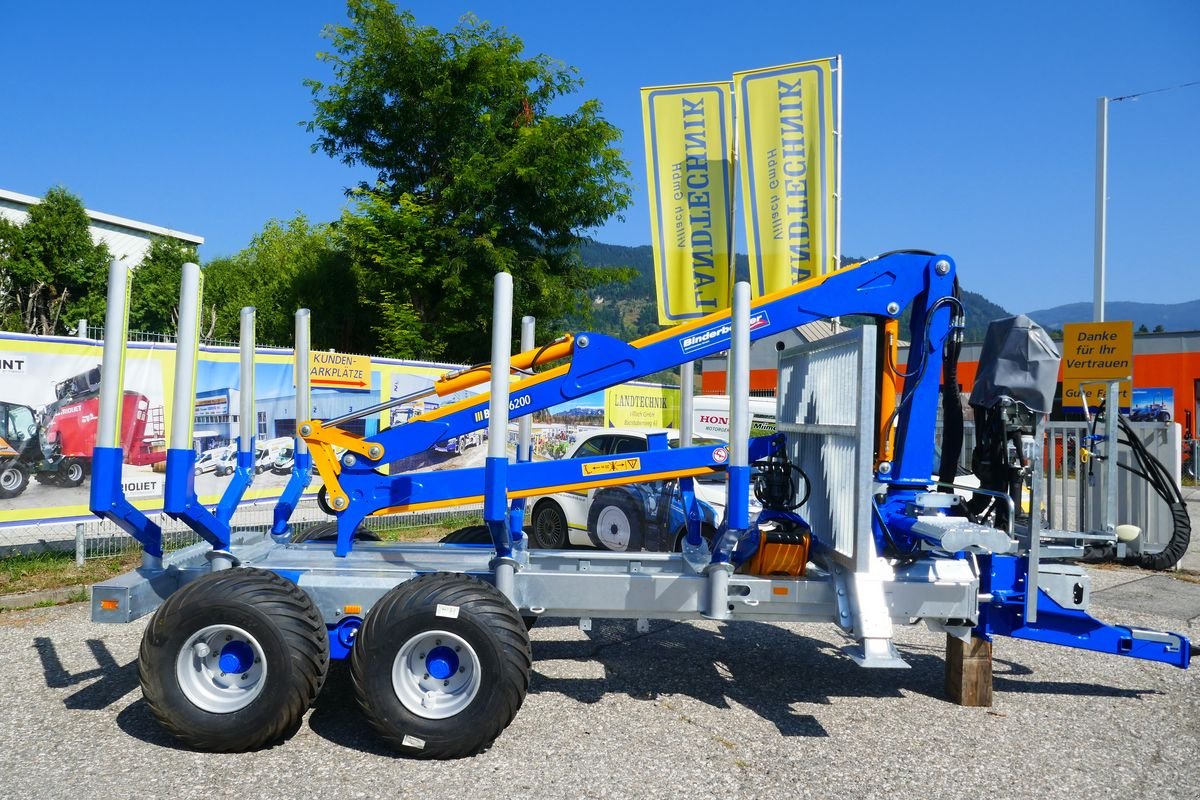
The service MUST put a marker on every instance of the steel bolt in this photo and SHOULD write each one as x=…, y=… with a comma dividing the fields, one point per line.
x=374, y=452
x=425, y=677
x=445, y=683
x=201, y=649
x=582, y=341
x=420, y=655
x=229, y=637
x=246, y=676
x=306, y=430
x=893, y=308
x=462, y=669
x=349, y=460
x=339, y=502
x=885, y=468
x=941, y=267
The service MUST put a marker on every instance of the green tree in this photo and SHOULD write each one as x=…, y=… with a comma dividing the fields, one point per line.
x=154, y=296
x=474, y=175
x=290, y=264
x=51, y=272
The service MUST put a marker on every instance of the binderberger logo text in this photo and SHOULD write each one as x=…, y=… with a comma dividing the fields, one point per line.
x=719, y=333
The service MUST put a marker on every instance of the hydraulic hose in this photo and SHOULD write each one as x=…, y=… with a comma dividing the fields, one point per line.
x=1164, y=485
x=952, y=413
x=1151, y=470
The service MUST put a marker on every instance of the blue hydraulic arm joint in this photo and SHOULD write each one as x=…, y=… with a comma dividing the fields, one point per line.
x=301, y=459
x=107, y=497
x=934, y=313
x=1004, y=578
x=180, y=500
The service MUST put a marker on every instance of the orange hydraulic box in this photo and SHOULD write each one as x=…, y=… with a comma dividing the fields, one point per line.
x=781, y=552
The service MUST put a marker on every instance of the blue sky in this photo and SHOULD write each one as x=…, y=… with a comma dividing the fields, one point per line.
x=970, y=128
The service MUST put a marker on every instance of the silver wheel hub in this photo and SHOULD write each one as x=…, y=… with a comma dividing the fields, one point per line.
x=613, y=528
x=436, y=674
x=10, y=478
x=221, y=669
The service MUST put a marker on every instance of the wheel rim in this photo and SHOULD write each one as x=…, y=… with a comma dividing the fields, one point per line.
x=221, y=669
x=75, y=473
x=10, y=479
x=436, y=674
x=549, y=529
x=613, y=528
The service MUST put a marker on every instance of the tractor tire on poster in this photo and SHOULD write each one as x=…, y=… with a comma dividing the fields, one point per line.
x=548, y=530
x=472, y=534
x=327, y=532
x=232, y=661
x=441, y=666
x=13, y=480
x=615, y=522
x=71, y=472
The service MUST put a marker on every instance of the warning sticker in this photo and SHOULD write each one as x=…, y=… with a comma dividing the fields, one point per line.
x=612, y=467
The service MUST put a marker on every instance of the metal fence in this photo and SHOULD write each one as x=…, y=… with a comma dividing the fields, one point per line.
x=98, y=538
x=1073, y=495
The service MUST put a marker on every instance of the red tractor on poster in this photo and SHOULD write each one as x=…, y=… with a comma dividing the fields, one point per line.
x=55, y=446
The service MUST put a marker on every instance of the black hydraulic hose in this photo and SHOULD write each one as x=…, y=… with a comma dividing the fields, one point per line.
x=1155, y=474
x=952, y=413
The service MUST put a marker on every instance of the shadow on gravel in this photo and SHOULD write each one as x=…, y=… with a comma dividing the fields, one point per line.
x=337, y=718
x=762, y=667
x=137, y=721
x=114, y=682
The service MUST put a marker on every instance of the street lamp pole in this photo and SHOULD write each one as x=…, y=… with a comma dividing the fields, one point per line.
x=1101, y=205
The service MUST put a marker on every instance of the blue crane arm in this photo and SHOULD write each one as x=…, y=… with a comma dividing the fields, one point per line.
x=881, y=287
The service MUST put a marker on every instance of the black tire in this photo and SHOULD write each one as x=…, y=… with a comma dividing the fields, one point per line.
x=281, y=619
x=323, y=501
x=479, y=534
x=46, y=478
x=71, y=472
x=327, y=532
x=548, y=527
x=488, y=673
x=472, y=534
x=1164, y=416
x=13, y=480
x=618, y=511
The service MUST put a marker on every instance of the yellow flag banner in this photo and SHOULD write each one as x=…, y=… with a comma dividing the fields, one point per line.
x=785, y=144
x=688, y=172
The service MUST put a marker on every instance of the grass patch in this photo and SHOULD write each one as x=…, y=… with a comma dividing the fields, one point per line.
x=428, y=533
x=35, y=572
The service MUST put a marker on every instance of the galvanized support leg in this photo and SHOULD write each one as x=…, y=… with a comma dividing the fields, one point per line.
x=495, y=496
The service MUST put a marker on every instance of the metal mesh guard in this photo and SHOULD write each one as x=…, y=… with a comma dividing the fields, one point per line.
x=826, y=406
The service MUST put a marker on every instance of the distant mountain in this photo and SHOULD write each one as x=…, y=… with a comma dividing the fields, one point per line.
x=1172, y=317
x=628, y=310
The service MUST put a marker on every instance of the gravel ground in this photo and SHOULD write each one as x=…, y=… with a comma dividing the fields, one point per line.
x=686, y=710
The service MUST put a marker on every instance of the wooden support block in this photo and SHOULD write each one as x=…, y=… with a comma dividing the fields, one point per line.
x=969, y=671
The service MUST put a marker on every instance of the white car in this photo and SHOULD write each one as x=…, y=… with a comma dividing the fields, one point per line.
x=642, y=516
x=211, y=460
